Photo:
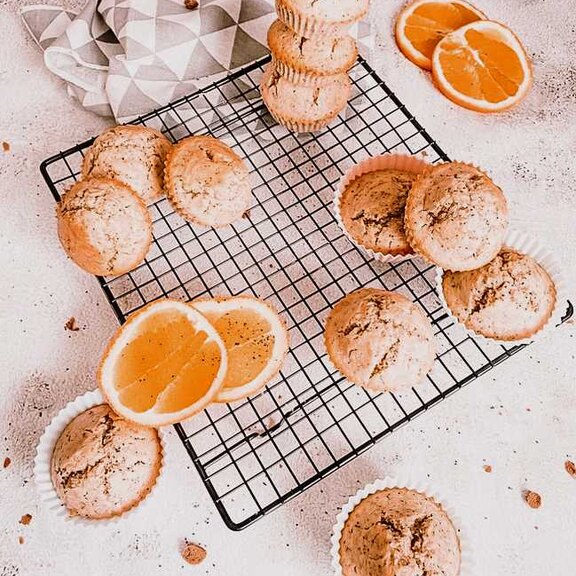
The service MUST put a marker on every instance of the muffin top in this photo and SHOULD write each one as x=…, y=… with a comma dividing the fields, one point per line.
x=341, y=11
x=372, y=210
x=380, y=340
x=456, y=217
x=322, y=55
x=133, y=155
x=207, y=182
x=103, y=465
x=294, y=103
x=510, y=298
x=399, y=532
x=104, y=226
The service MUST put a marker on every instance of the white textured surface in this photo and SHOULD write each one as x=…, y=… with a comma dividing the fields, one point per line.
x=519, y=418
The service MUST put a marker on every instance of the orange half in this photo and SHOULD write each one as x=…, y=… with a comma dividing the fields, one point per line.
x=482, y=66
x=422, y=24
x=256, y=342
x=165, y=364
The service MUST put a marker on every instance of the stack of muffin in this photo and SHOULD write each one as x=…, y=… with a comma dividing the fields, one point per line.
x=306, y=85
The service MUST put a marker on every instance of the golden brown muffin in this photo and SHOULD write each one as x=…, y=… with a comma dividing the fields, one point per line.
x=104, y=226
x=133, y=155
x=303, y=108
x=372, y=210
x=310, y=18
x=510, y=298
x=207, y=182
x=399, y=532
x=310, y=61
x=380, y=340
x=456, y=217
x=103, y=465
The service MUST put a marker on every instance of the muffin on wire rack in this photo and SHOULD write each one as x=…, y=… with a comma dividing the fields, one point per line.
x=304, y=108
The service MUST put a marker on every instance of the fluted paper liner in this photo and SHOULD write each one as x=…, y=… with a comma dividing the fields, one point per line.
x=405, y=162
x=467, y=565
x=43, y=459
x=521, y=242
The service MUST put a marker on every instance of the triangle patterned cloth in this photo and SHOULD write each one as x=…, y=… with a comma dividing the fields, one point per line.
x=124, y=58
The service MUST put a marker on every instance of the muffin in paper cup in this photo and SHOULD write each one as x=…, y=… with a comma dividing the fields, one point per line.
x=43, y=463
x=499, y=230
x=301, y=77
x=309, y=26
x=303, y=108
x=467, y=563
x=524, y=244
x=403, y=162
x=302, y=126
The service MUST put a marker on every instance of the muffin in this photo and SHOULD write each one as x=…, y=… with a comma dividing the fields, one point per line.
x=372, y=210
x=304, y=108
x=207, y=182
x=104, y=226
x=103, y=465
x=456, y=217
x=133, y=155
x=321, y=17
x=511, y=298
x=380, y=340
x=399, y=532
x=311, y=62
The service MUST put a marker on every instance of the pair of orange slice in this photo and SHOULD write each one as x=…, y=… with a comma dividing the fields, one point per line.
x=477, y=63
x=171, y=359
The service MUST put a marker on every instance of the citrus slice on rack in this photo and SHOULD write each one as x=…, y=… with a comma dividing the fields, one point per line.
x=256, y=342
x=423, y=23
x=165, y=364
x=482, y=66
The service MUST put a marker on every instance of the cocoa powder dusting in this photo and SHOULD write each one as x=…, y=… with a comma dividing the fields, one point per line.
x=533, y=499
x=193, y=553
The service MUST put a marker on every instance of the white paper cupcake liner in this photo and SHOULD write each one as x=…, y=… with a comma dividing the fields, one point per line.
x=383, y=162
x=43, y=459
x=467, y=563
x=308, y=26
x=524, y=244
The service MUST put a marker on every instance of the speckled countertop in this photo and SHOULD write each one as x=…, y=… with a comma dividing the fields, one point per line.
x=519, y=418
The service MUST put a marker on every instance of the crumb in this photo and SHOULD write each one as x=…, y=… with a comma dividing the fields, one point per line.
x=26, y=519
x=193, y=553
x=7, y=462
x=568, y=465
x=20, y=539
x=191, y=4
x=533, y=499
x=71, y=325
x=6, y=146
x=487, y=468
x=246, y=214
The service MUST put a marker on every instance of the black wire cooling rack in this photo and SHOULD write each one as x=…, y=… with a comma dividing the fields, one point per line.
x=256, y=454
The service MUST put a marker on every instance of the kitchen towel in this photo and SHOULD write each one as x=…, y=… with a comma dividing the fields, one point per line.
x=125, y=58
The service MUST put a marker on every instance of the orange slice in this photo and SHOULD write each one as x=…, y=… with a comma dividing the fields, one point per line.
x=482, y=66
x=165, y=364
x=256, y=342
x=422, y=24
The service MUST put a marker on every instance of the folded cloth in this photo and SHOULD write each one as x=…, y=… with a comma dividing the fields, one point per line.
x=125, y=58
